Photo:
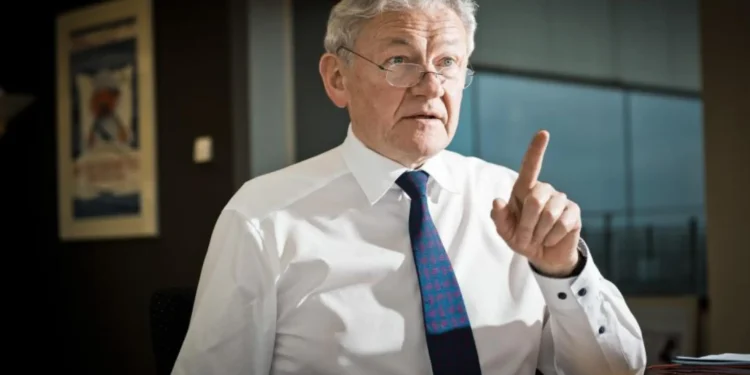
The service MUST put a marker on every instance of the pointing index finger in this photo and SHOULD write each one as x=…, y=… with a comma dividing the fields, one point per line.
x=531, y=165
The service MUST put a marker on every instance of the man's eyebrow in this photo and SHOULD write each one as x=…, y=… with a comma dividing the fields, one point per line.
x=451, y=41
x=398, y=42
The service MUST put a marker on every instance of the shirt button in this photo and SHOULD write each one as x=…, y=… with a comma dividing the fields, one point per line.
x=562, y=295
x=601, y=330
x=582, y=292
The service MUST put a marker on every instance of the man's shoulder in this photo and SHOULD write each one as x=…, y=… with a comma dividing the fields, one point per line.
x=478, y=170
x=265, y=194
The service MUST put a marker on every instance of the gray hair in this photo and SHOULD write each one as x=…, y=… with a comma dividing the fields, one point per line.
x=346, y=18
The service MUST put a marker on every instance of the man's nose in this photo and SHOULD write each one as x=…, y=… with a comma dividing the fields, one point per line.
x=430, y=85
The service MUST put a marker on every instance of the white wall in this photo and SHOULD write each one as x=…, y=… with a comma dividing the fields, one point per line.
x=639, y=42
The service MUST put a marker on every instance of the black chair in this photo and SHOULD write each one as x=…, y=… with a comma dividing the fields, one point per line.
x=170, y=312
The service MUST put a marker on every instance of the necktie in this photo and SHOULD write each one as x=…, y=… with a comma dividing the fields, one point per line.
x=449, y=337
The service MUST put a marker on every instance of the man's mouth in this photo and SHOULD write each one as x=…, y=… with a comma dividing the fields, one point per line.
x=423, y=117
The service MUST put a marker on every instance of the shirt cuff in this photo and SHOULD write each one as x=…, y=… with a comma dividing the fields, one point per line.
x=572, y=292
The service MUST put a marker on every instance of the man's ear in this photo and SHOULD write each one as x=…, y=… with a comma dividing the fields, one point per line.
x=333, y=79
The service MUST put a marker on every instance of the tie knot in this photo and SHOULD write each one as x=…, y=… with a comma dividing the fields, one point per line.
x=414, y=183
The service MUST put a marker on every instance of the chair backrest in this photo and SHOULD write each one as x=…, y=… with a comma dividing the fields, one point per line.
x=170, y=312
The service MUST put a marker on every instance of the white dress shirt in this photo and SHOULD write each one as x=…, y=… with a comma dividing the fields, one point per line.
x=310, y=271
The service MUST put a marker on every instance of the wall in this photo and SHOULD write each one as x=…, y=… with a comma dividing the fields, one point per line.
x=725, y=26
x=271, y=87
x=642, y=43
x=84, y=306
x=319, y=125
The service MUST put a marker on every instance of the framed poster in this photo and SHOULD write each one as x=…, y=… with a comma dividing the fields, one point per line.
x=106, y=130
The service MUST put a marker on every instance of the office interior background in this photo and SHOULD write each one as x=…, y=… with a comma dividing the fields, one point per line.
x=646, y=102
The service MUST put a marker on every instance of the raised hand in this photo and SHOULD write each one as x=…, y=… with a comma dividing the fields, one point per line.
x=539, y=222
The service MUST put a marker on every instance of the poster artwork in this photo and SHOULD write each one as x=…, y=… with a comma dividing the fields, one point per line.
x=105, y=122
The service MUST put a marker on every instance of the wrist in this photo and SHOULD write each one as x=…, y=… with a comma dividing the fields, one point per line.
x=571, y=269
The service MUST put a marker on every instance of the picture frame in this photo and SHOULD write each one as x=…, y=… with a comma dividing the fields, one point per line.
x=106, y=122
x=670, y=326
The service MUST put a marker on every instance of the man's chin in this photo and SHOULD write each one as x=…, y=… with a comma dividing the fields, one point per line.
x=428, y=147
x=425, y=123
x=423, y=142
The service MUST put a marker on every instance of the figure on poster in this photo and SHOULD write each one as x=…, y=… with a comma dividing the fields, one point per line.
x=108, y=126
x=105, y=133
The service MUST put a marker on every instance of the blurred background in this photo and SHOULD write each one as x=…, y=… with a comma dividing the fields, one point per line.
x=646, y=101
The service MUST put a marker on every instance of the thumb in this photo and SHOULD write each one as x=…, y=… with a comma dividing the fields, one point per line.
x=503, y=218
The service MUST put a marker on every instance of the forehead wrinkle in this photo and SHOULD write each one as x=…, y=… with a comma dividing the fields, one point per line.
x=417, y=42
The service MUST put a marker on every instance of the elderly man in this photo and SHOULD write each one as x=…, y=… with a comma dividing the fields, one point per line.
x=391, y=255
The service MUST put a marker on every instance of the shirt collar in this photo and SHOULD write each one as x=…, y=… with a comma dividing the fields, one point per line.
x=375, y=173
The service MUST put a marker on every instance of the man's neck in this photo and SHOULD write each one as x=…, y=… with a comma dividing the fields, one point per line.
x=410, y=162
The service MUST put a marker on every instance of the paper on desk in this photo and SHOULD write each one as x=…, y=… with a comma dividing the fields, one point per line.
x=717, y=359
x=727, y=357
x=734, y=357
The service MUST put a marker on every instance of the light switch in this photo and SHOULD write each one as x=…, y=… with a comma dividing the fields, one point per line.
x=203, y=149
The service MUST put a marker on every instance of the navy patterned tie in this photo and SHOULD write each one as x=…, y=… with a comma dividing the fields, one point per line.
x=449, y=337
